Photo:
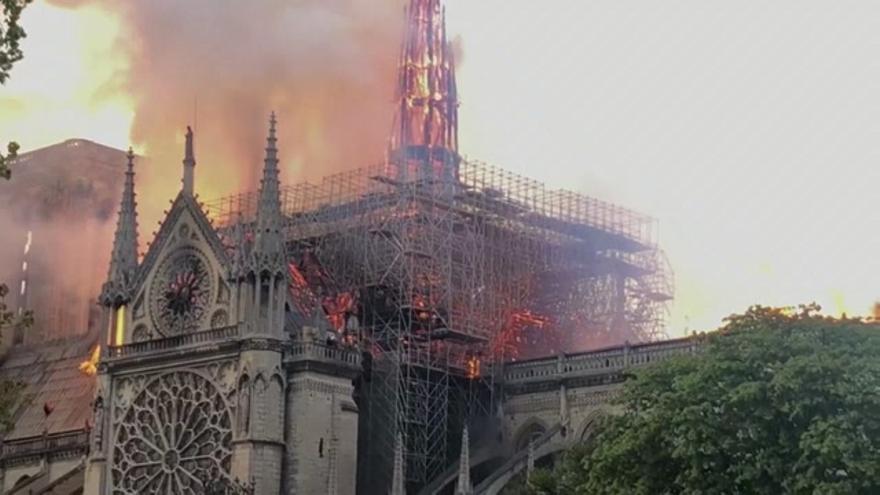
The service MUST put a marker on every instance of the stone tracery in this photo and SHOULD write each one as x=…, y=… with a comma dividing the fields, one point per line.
x=181, y=293
x=177, y=432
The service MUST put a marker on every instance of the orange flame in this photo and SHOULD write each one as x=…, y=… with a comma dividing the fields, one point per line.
x=508, y=343
x=337, y=308
x=473, y=367
x=89, y=367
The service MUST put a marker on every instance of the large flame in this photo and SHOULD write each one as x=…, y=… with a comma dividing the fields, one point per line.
x=90, y=366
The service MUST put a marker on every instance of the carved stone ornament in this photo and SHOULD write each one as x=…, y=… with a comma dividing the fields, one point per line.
x=181, y=292
x=97, y=443
x=175, y=437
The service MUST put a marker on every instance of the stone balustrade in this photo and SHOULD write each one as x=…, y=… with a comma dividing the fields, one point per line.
x=315, y=351
x=296, y=350
x=220, y=334
x=602, y=361
x=45, y=444
x=598, y=362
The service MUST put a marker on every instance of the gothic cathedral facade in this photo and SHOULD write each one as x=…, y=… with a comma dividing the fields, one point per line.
x=207, y=384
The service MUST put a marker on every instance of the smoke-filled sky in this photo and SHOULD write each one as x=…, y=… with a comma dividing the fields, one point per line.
x=750, y=129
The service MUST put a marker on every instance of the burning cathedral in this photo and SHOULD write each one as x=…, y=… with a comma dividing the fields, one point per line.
x=345, y=336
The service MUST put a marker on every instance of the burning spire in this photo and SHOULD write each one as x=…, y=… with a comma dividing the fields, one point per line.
x=424, y=138
x=124, y=258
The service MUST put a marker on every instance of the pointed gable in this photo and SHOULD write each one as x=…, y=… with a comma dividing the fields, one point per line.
x=185, y=208
x=188, y=256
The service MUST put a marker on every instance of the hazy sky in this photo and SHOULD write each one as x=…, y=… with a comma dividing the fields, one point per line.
x=749, y=129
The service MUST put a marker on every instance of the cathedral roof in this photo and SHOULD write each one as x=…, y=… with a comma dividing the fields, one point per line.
x=51, y=376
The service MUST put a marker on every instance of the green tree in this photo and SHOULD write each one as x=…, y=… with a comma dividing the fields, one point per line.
x=11, y=34
x=776, y=401
x=6, y=316
x=566, y=478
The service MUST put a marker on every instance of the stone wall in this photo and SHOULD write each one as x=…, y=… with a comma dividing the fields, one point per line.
x=321, y=434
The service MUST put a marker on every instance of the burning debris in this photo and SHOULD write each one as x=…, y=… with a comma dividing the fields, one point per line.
x=513, y=336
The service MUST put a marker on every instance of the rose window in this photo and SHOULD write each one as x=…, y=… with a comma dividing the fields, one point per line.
x=181, y=292
x=174, y=439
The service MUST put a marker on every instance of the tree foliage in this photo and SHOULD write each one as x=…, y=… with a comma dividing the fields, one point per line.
x=777, y=401
x=6, y=315
x=11, y=34
x=10, y=393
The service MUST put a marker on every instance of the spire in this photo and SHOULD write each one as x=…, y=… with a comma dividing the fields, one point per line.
x=424, y=137
x=398, y=486
x=268, y=241
x=189, y=163
x=464, y=486
x=124, y=258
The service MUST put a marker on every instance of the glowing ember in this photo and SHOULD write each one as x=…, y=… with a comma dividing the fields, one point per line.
x=509, y=342
x=301, y=294
x=338, y=308
x=473, y=367
x=90, y=366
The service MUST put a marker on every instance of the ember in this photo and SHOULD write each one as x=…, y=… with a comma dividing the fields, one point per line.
x=473, y=367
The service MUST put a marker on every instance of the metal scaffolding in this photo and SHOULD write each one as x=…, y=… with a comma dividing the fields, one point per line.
x=435, y=278
x=437, y=267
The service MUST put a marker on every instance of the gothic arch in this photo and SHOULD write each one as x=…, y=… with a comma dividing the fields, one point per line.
x=274, y=405
x=532, y=427
x=260, y=383
x=259, y=392
x=588, y=425
x=23, y=480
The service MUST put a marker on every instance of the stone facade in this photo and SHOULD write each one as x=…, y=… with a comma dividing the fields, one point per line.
x=205, y=387
x=208, y=386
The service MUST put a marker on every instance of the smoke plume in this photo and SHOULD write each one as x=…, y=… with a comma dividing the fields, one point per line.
x=56, y=217
x=327, y=67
